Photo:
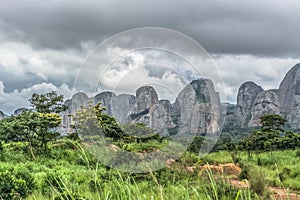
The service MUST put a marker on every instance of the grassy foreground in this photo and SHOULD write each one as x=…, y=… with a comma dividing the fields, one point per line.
x=70, y=172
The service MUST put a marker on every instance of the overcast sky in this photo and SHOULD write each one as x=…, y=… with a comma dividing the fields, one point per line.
x=44, y=43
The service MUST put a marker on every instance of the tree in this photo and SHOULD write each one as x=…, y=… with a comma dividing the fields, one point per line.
x=271, y=136
x=36, y=128
x=47, y=103
x=272, y=122
x=91, y=120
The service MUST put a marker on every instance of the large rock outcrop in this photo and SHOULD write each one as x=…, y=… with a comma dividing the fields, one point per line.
x=247, y=94
x=197, y=108
x=289, y=97
x=106, y=98
x=267, y=102
x=161, y=119
x=78, y=100
x=146, y=97
x=121, y=107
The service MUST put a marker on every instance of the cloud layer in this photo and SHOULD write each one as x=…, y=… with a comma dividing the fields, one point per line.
x=43, y=44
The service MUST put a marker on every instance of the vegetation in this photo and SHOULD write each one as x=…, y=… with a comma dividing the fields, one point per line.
x=38, y=163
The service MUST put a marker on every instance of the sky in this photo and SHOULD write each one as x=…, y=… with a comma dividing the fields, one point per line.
x=44, y=45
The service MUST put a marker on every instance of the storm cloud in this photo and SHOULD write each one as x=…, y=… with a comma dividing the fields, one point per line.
x=264, y=28
x=43, y=44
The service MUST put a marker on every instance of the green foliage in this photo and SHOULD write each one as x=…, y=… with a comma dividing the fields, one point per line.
x=35, y=129
x=258, y=182
x=91, y=120
x=298, y=153
x=271, y=136
x=245, y=173
x=15, y=183
x=272, y=122
x=139, y=132
x=196, y=144
x=47, y=103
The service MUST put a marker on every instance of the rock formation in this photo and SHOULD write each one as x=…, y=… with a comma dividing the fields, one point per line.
x=121, y=107
x=253, y=102
x=197, y=108
x=266, y=102
x=247, y=94
x=289, y=96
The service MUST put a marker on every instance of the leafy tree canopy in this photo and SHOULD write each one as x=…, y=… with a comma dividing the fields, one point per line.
x=47, y=103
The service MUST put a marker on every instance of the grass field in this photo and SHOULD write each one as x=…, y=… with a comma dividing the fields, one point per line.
x=70, y=172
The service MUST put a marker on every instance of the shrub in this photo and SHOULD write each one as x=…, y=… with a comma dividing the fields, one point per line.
x=258, y=182
x=245, y=173
x=12, y=187
x=298, y=153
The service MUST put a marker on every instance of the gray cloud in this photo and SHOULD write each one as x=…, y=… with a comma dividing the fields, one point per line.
x=43, y=44
x=264, y=28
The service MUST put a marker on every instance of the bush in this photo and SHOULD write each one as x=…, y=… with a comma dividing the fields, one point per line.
x=258, y=182
x=12, y=187
x=245, y=173
x=298, y=153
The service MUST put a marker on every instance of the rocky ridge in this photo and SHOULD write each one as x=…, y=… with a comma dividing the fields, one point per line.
x=197, y=108
x=253, y=102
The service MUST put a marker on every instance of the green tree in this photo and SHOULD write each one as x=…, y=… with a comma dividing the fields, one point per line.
x=271, y=136
x=272, y=122
x=91, y=120
x=36, y=128
x=47, y=103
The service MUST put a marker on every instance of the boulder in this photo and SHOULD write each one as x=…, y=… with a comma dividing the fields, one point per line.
x=146, y=97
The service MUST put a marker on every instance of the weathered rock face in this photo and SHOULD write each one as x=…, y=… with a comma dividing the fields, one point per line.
x=67, y=115
x=197, y=108
x=107, y=101
x=229, y=112
x=78, y=100
x=121, y=107
x=289, y=90
x=289, y=96
x=267, y=102
x=247, y=94
x=146, y=97
x=161, y=118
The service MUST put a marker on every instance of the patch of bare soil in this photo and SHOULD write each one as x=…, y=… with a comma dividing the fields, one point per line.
x=232, y=171
x=284, y=194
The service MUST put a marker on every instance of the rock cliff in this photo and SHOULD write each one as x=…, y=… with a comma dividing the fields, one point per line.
x=197, y=107
x=247, y=94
